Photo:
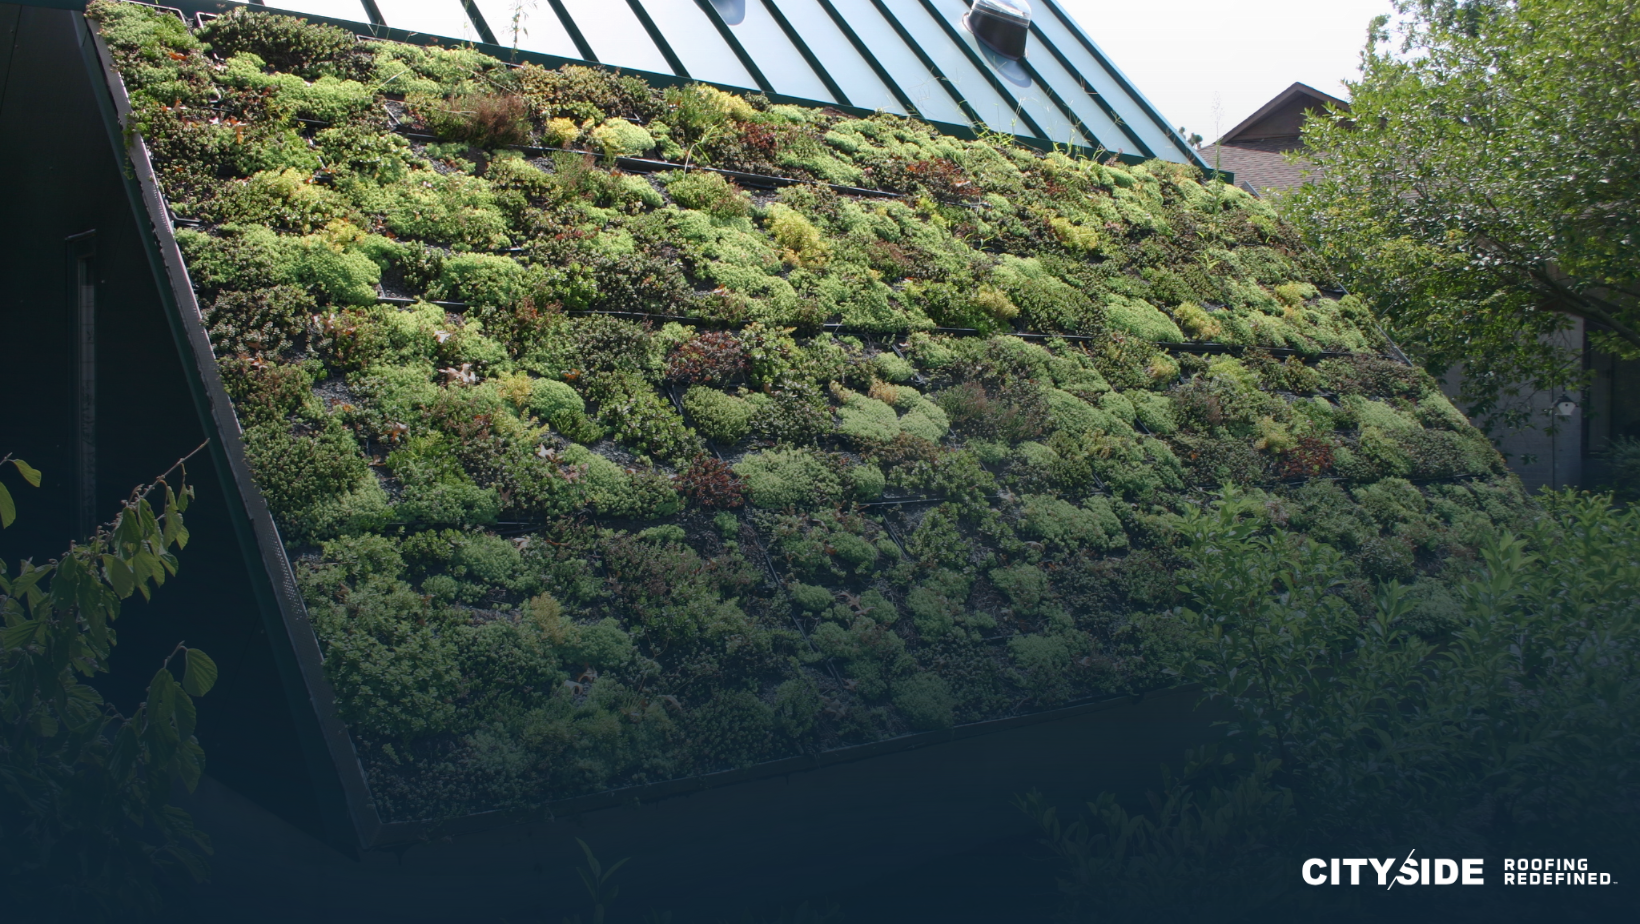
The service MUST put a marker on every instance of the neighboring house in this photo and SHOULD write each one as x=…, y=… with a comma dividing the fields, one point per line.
x=1256, y=150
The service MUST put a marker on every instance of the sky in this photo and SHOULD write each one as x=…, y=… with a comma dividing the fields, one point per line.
x=1208, y=64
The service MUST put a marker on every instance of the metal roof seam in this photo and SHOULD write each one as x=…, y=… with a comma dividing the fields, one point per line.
x=807, y=53
x=1097, y=97
x=1191, y=157
x=574, y=30
x=482, y=27
x=656, y=36
x=735, y=46
x=870, y=59
x=984, y=71
x=927, y=62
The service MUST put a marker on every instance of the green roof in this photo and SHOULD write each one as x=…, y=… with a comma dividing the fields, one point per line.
x=619, y=434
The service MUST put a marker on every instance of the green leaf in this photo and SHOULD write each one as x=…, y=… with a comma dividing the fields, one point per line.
x=19, y=635
x=119, y=575
x=30, y=473
x=8, y=510
x=200, y=673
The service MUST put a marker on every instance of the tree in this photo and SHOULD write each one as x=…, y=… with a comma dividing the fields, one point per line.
x=1484, y=189
x=86, y=828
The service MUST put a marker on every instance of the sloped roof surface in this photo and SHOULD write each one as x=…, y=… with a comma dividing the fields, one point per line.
x=1262, y=166
x=908, y=57
x=619, y=435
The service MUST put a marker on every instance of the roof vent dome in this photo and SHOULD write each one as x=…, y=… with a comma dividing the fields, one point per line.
x=1000, y=25
x=732, y=11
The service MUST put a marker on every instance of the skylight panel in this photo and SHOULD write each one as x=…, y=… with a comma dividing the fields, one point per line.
x=697, y=43
x=1032, y=99
x=349, y=10
x=616, y=35
x=430, y=17
x=1122, y=100
x=932, y=100
x=838, y=56
x=779, y=60
x=1096, y=123
x=997, y=112
x=537, y=27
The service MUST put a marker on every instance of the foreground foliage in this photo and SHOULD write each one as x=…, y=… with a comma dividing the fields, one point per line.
x=594, y=477
x=87, y=831
x=1510, y=732
x=1481, y=192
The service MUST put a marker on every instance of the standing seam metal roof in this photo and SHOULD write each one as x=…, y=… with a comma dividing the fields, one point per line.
x=910, y=57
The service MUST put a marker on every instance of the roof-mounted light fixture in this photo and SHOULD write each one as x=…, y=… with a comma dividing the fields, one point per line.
x=1000, y=25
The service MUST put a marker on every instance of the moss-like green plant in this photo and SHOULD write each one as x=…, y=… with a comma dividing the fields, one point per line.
x=620, y=138
x=1141, y=319
x=926, y=700
x=719, y=417
x=1093, y=525
x=789, y=478
x=707, y=192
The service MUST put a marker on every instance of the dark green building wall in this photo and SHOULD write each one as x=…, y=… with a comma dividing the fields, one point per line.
x=59, y=178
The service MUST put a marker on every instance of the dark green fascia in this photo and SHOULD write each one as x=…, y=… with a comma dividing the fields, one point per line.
x=313, y=729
